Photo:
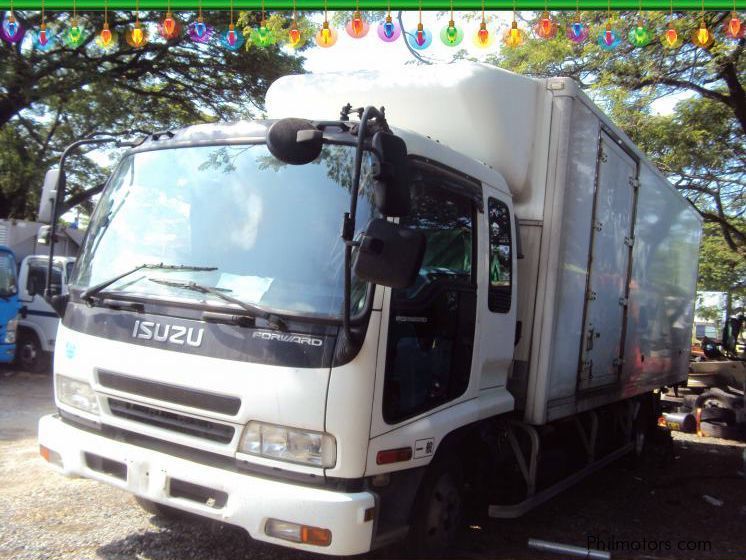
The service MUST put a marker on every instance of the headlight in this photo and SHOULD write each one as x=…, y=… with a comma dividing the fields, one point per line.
x=78, y=394
x=288, y=444
x=10, y=331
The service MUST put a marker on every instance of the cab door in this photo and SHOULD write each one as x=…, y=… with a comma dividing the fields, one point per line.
x=425, y=360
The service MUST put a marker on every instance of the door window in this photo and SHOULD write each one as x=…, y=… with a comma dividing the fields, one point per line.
x=431, y=324
x=37, y=278
x=501, y=257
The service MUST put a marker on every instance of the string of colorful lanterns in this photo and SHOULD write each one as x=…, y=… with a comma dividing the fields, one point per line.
x=170, y=28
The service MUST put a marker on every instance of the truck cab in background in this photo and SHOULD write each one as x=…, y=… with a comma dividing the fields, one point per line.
x=8, y=305
x=37, y=321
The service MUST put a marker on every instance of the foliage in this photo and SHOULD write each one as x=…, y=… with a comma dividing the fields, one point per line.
x=720, y=268
x=701, y=146
x=49, y=99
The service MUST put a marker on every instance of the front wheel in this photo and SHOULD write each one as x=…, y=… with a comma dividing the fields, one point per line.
x=29, y=354
x=438, y=510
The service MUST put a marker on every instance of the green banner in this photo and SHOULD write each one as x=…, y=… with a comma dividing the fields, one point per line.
x=275, y=5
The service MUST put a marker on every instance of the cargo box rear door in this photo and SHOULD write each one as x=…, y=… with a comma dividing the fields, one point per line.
x=609, y=265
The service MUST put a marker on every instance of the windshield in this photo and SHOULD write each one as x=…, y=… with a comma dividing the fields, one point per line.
x=271, y=230
x=8, y=286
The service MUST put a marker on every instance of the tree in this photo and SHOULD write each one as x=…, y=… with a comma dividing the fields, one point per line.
x=48, y=99
x=701, y=147
x=720, y=268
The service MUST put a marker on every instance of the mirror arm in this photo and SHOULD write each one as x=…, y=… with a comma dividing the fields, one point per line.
x=58, y=205
x=348, y=228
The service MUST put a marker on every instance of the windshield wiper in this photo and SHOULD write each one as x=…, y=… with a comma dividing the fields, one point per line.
x=88, y=294
x=274, y=321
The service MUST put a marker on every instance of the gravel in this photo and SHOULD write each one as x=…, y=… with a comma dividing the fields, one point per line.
x=46, y=515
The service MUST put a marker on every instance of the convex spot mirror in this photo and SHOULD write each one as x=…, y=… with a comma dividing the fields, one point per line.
x=391, y=189
x=389, y=254
x=294, y=141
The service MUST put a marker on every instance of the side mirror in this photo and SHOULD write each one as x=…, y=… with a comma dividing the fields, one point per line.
x=49, y=193
x=294, y=141
x=391, y=190
x=43, y=235
x=389, y=254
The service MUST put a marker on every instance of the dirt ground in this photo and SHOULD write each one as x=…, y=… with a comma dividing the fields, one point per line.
x=655, y=511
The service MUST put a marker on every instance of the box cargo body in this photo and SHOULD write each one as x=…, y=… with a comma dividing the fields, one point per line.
x=607, y=280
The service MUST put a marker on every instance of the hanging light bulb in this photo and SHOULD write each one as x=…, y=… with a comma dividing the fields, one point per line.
x=670, y=38
x=608, y=39
x=327, y=36
x=483, y=38
x=734, y=28
x=577, y=31
x=702, y=36
x=389, y=30
x=514, y=36
x=450, y=34
x=136, y=37
x=11, y=31
x=262, y=36
x=169, y=28
x=640, y=36
x=199, y=31
x=295, y=38
x=76, y=34
x=357, y=26
x=546, y=27
x=232, y=39
x=420, y=38
x=106, y=39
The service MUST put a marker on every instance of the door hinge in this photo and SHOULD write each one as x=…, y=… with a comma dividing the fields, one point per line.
x=623, y=301
x=598, y=226
x=629, y=241
x=591, y=295
x=618, y=362
x=634, y=183
x=602, y=157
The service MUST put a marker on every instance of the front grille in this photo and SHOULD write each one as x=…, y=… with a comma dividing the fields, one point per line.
x=172, y=421
x=211, y=402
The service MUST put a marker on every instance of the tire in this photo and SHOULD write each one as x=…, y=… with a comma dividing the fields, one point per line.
x=718, y=414
x=438, y=510
x=29, y=354
x=161, y=511
x=718, y=398
x=721, y=430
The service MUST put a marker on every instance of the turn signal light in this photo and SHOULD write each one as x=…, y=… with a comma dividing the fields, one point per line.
x=294, y=532
x=50, y=456
x=394, y=455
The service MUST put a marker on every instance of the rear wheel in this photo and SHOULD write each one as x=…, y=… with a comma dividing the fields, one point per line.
x=29, y=354
x=438, y=510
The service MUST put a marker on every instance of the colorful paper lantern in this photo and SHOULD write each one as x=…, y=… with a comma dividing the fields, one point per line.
x=514, y=36
x=702, y=36
x=169, y=28
x=640, y=36
x=420, y=38
x=546, y=27
x=734, y=27
x=11, y=31
x=608, y=39
x=577, y=31
x=451, y=35
x=389, y=30
x=357, y=28
x=326, y=36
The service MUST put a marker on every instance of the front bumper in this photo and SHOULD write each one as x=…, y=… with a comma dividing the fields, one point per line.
x=250, y=502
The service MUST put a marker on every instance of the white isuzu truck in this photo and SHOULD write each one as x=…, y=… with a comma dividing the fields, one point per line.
x=339, y=329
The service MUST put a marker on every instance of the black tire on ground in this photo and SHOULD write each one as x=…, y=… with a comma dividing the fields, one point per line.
x=438, y=510
x=162, y=511
x=29, y=354
x=718, y=398
x=718, y=414
x=721, y=430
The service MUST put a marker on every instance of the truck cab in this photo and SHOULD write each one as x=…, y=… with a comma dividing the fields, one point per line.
x=8, y=305
x=38, y=322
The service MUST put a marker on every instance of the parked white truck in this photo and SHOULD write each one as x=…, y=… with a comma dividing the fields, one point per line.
x=512, y=285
